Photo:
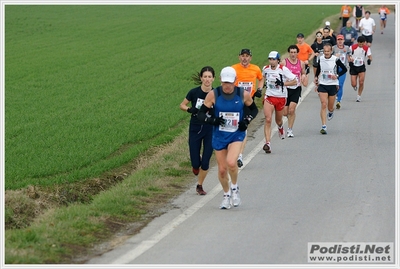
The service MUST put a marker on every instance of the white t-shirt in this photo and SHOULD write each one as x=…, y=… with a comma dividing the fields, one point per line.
x=367, y=25
x=271, y=75
x=328, y=71
x=360, y=54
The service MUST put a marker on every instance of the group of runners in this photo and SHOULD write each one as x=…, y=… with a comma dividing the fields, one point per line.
x=220, y=116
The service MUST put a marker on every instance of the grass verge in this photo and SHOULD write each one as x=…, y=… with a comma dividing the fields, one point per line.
x=124, y=201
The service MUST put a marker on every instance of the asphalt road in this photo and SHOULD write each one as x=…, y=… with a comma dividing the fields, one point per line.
x=338, y=187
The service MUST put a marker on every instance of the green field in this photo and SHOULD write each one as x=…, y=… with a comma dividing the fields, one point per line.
x=89, y=88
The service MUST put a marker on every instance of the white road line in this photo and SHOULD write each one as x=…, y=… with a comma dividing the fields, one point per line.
x=169, y=227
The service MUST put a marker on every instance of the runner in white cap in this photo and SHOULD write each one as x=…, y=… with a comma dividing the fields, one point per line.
x=230, y=124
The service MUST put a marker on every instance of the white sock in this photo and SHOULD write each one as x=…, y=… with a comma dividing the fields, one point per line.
x=233, y=186
x=227, y=193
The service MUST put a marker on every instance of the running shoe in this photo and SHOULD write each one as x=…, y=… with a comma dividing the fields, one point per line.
x=338, y=105
x=199, y=190
x=226, y=202
x=267, y=148
x=355, y=88
x=358, y=98
x=239, y=162
x=290, y=133
x=330, y=115
x=195, y=171
x=281, y=132
x=235, y=197
x=323, y=130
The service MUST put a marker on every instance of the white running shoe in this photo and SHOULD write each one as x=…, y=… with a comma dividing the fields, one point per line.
x=240, y=161
x=235, y=197
x=355, y=88
x=226, y=203
x=358, y=98
x=290, y=133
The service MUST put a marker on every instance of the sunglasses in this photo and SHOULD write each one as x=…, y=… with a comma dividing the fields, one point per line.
x=271, y=59
x=318, y=35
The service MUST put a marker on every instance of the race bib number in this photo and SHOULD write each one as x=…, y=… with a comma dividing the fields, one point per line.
x=358, y=61
x=327, y=75
x=199, y=103
x=232, y=121
x=271, y=81
x=247, y=86
x=348, y=36
x=272, y=86
x=341, y=56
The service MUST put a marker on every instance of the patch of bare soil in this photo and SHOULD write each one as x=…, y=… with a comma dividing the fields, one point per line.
x=29, y=203
x=24, y=206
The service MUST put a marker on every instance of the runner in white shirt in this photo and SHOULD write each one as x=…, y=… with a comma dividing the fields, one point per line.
x=358, y=54
x=327, y=80
x=368, y=27
x=277, y=78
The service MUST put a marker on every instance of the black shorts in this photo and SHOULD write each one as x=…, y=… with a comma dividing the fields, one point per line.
x=293, y=95
x=330, y=89
x=355, y=70
x=368, y=38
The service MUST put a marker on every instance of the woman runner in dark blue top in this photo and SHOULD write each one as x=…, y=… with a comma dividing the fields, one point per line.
x=200, y=133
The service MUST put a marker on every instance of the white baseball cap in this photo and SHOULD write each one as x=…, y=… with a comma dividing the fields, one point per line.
x=228, y=74
x=274, y=55
x=327, y=23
